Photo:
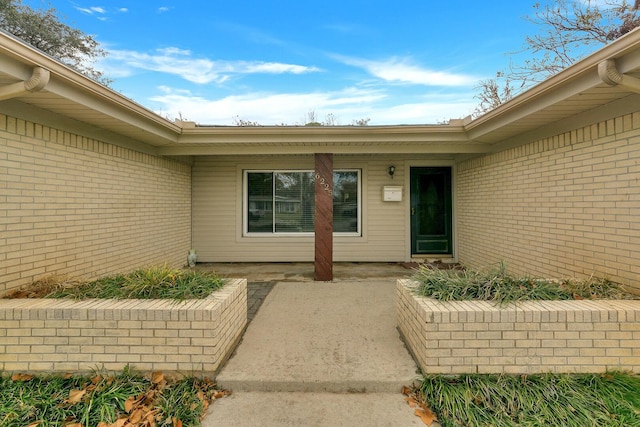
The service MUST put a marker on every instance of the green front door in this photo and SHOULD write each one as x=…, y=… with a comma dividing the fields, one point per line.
x=431, y=210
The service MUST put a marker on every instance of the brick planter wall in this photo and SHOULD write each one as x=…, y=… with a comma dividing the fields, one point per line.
x=53, y=335
x=531, y=337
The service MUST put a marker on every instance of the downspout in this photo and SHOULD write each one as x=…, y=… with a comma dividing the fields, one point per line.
x=39, y=79
x=610, y=75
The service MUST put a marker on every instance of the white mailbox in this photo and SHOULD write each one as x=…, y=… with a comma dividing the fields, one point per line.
x=392, y=193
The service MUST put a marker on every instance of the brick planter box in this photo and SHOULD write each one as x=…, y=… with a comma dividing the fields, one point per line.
x=530, y=337
x=57, y=335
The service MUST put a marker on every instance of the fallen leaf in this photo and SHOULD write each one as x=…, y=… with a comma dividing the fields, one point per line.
x=426, y=416
x=103, y=424
x=76, y=395
x=406, y=390
x=37, y=423
x=74, y=425
x=120, y=422
x=411, y=401
x=136, y=416
x=221, y=393
x=129, y=404
x=150, y=418
x=177, y=423
x=157, y=377
x=21, y=377
x=577, y=297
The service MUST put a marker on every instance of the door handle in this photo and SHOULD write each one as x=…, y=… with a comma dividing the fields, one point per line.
x=413, y=211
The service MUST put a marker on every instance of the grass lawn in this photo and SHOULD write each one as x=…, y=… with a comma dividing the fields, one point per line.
x=603, y=400
x=104, y=400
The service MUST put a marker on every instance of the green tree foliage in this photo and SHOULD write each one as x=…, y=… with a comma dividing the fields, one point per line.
x=44, y=30
x=569, y=30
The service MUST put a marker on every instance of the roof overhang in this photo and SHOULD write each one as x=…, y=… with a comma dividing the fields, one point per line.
x=33, y=85
x=70, y=96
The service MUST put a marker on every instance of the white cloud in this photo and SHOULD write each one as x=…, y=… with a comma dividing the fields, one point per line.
x=163, y=9
x=290, y=108
x=181, y=62
x=277, y=68
x=91, y=10
x=402, y=71
x=264, y=108
x=123, y=10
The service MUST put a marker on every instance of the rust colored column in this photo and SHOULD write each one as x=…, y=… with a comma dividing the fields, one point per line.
x=324, y=218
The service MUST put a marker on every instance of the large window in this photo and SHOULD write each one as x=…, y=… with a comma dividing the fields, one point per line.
x=284, y=201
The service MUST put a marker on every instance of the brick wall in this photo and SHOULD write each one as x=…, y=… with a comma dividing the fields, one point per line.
x=47, y=335
x=563, y=206
x=532, y=337
x=77, y=206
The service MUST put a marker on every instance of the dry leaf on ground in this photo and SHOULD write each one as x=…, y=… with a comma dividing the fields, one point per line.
x=157, y=377
x=75, y=396
x=413, y=399
x=21, y=377
x=426, y=416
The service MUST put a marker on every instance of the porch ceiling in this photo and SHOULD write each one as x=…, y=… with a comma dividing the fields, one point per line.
x=97, y=111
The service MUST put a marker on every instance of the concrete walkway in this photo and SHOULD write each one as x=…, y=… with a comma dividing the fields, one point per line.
x=319, y=354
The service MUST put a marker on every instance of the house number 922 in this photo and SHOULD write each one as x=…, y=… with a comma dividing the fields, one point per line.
x=324, y=184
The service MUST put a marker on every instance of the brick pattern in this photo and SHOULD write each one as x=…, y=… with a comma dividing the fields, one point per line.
x=563, y=206
x=76, y=206
x=532, y=337
x=49, y=335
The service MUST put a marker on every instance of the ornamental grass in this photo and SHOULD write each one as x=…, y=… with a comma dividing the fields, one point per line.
x=568, y=400
x=498, y=286
x=158, y=282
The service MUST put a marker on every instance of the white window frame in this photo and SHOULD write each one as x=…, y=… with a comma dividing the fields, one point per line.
x=245, y=202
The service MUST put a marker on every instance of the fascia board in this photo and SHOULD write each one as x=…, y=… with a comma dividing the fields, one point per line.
x=271, y=149
x=326, y=134
x=119, y=109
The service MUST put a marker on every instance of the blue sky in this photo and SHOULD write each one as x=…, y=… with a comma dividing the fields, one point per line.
x=394, y=62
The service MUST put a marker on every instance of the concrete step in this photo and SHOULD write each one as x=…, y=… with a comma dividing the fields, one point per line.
x=251, y=409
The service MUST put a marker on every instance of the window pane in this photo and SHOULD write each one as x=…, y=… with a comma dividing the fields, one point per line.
x=345, y=202
x=260, y=202
x=294, y=202
x=284, y=202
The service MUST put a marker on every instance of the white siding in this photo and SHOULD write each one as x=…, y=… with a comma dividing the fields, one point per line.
x=217, y=212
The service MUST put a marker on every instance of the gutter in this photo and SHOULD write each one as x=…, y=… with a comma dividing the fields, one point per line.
x=608, y=72
x=38, y=81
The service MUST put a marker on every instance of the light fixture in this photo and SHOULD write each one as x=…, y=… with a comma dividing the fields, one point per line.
x=391, y=171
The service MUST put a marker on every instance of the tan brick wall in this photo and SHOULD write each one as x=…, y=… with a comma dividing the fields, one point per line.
x=532, y=337
x=77, y=206
x=563, y=206
x=49, y=335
